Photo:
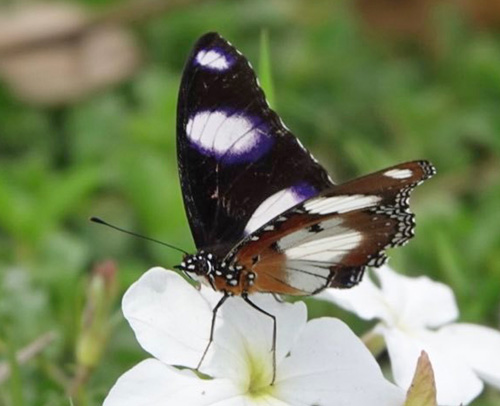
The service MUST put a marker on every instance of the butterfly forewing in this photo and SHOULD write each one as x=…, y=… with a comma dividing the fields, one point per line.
x=329, y=239
x=239, y=165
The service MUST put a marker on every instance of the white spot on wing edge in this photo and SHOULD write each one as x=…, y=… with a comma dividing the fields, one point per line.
x=399, y=173
x=340, y=204
x=212, y=59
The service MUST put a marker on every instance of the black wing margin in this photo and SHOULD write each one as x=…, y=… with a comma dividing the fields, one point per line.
x=239, y=165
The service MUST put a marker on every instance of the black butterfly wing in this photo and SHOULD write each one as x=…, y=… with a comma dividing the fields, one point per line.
x=239, y=165
x=329, y=239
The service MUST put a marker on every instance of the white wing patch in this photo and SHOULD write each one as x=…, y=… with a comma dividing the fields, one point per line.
x=330, y=249
x=217, y=133
x=330, y=242
x=399, y=173
x=307, y=276
x=310, y=252
x=303, y=236
x=340, y=204
x=212, y=59
x=272, y=207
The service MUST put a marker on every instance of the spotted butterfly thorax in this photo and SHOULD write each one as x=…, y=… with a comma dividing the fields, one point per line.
x=264, y=214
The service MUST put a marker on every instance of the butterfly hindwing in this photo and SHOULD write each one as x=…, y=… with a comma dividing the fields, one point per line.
x=239, y=165
x=328, y=240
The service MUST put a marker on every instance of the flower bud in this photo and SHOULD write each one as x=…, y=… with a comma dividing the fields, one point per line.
x=422, y=391
x=101, y=293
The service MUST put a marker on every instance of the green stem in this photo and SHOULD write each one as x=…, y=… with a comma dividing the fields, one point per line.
x=61, y=148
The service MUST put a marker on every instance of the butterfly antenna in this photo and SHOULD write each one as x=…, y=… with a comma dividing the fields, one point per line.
x=101, y=221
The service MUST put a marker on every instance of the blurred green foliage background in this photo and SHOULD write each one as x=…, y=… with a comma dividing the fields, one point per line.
x=363, y=86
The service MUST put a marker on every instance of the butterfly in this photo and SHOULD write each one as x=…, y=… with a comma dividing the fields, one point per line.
x=264, y=214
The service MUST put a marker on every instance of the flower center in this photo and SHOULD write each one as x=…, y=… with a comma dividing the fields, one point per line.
x=259, y=378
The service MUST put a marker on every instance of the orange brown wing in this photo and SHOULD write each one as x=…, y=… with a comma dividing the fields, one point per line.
x=330, y=239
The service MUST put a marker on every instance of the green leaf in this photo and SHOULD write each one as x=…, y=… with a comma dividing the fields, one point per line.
x=265, y=75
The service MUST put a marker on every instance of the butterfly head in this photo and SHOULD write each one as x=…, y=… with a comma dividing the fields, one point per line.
x=209, y=269
x=201, y=264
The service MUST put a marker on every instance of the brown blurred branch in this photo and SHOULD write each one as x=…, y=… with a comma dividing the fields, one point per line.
x=133, y=11
x=27, y=353
x=56, y=54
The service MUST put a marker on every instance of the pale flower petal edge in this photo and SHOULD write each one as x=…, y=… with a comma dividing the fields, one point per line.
x=420, y=301
x=329, y=359
x=170, y=319
x=153, y=383
x=479, y=346
x=456, y=383
x=364, y=300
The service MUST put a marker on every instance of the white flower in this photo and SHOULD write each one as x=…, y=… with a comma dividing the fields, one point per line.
x=320, y=362
x=415, y=314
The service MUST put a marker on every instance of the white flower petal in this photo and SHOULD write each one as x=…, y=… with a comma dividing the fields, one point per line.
x=478, y=345
x=246, y=336
x=152, y=383
x=329, y=365
x=170, y=318
x=210, y=295
x=417, y=301
x=365, y=300
x=456, y=383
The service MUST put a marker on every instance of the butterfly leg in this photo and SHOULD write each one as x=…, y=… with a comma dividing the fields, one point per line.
x=244, y=295
x=212, y=327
